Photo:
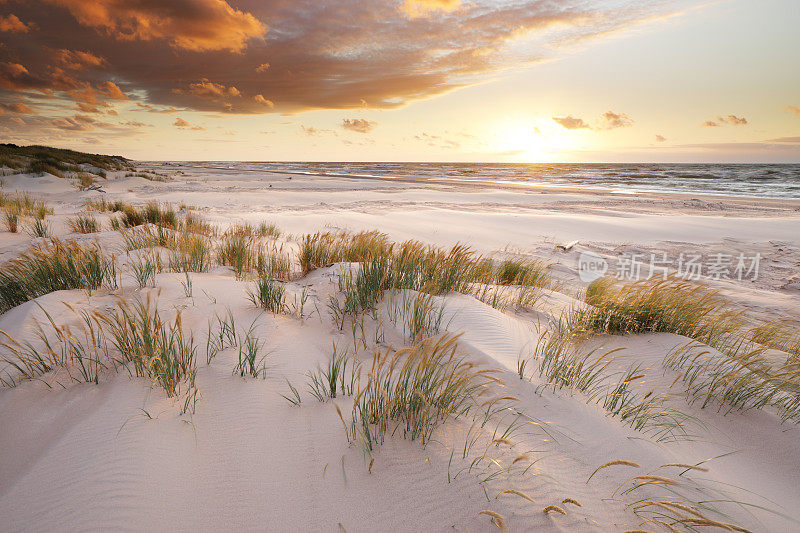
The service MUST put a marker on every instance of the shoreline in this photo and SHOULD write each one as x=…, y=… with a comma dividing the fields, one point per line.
x=790, y=203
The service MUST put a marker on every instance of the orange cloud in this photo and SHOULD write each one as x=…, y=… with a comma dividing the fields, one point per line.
x=571, y=123
x=180, y=123
x=197, y=25
x=792, y=109
x=12, y=24
x=87, y=108
x=360, y=51
x=209, y=89
x=87, y=95
x=18, y=107
x=112, y=90
x=359, y=125
x=151, y=109
x=263, y=101
x=77, y=60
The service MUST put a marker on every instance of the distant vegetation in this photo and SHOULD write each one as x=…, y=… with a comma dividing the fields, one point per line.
x=60, y=162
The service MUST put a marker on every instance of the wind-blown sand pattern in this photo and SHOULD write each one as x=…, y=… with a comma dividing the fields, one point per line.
x=120, y=454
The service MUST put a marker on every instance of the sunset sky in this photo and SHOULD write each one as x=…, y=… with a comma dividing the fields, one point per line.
x=405, y=80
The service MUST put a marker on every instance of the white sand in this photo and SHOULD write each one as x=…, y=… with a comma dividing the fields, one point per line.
x=119, y=456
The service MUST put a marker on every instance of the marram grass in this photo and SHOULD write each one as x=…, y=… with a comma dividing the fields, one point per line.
x=668, y=305
x=52, y=266
x=133, y=336
x=413, y=390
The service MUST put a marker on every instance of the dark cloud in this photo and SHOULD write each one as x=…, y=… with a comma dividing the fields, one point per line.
x=709, y=124
x=76, y=123
x=660, y=138
x=571, y=123
x=360, y=125
x=213, y=55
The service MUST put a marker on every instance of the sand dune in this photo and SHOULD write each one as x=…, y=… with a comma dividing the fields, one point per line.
x=120, y=455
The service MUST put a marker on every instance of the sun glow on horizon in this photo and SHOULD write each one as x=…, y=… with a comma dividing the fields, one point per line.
x=530, y=141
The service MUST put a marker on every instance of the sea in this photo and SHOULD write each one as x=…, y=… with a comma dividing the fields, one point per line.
x=759, y=180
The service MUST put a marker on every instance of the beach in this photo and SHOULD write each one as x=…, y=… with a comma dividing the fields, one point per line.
x=258, y=450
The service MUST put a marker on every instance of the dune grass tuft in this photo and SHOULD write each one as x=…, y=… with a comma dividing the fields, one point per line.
x=83, y=224
x=39, y=229
x=414, y=390
x=23, y=204
x=251, y=361
x=668, y=305
x=269, y=294
x=134, y=336
x=157, y=348
x=332, y=380
x=12, y=221
x=322, y=249
x=52, y=266
x=145, y=266
x=745, y=379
